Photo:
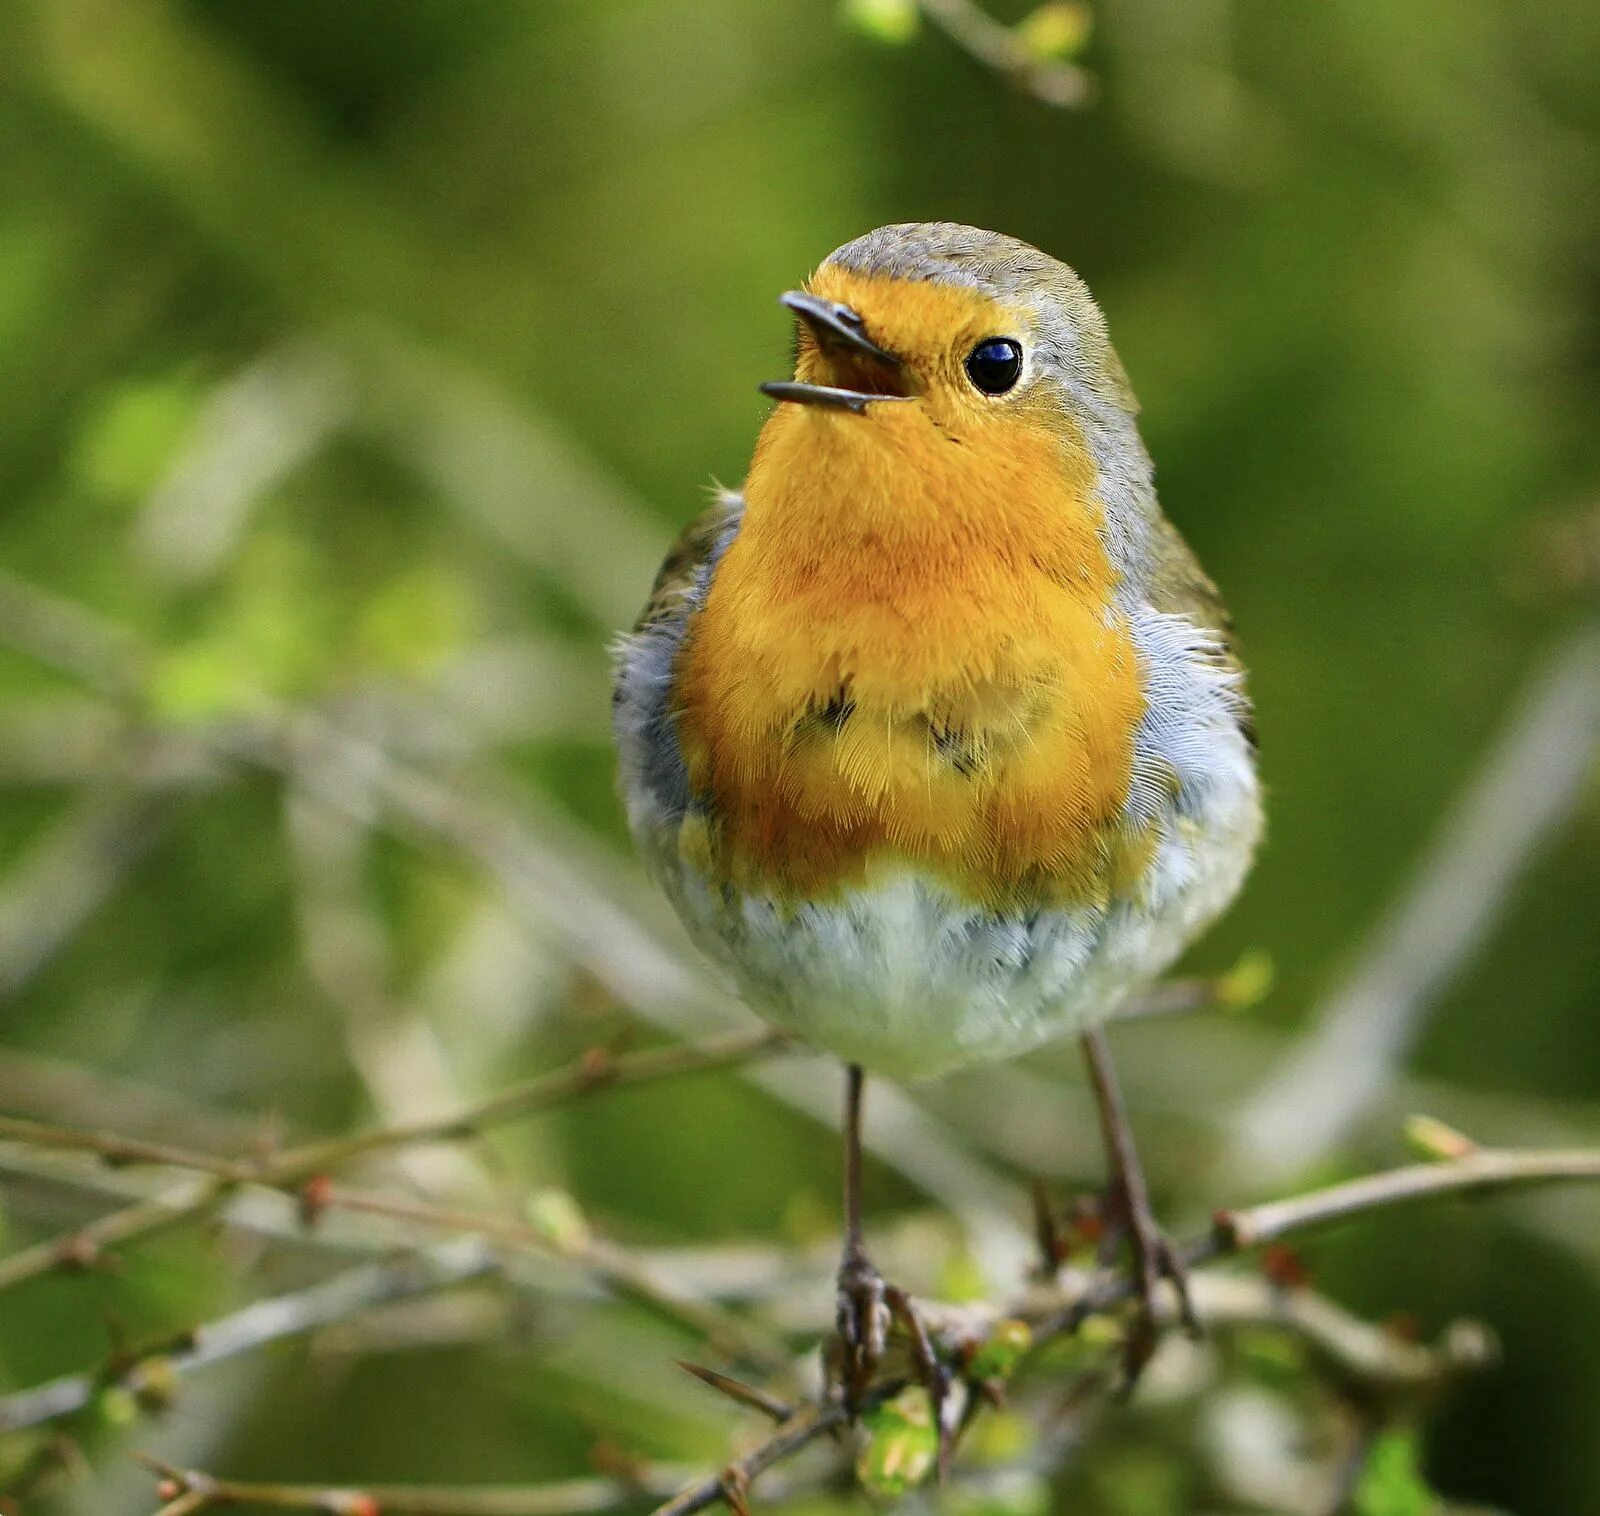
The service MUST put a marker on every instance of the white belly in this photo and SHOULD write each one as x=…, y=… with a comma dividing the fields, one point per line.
x=908, y=981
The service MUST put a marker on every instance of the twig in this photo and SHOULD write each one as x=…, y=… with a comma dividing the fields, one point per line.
x=609, y=1264
x=86, y=1247
x=998, y=48
x=612, y=1266
x=572, y=1497
x=596, y=1069
x=748, y=1395
x=1478, y=1171
x=263, y=1321
x=67, y=637
x=798, y=1432
x=144, y=1219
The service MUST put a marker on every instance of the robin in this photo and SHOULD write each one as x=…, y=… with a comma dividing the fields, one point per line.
x=935, y=733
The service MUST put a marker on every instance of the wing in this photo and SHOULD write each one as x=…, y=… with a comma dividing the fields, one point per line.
x=655, y=783
x=1179, y=586
x=694, y=554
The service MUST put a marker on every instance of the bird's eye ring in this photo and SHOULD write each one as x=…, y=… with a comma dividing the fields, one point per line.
x=995, y=365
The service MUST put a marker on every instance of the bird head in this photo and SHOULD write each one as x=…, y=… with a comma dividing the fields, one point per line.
x=978, y=334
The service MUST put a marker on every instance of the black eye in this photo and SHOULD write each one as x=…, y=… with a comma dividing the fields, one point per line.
x=995, y=364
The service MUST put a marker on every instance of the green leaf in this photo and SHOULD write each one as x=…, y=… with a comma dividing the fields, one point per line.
x=902, y=1445
x=1391, y=1483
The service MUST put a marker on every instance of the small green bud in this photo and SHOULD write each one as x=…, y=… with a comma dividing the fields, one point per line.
x=1433, y=1139
x=1002, y=1351
x=556, y=1216
x=1247, y=983
x=1055, y=31
x=894, y=22
x=117, y=1407
x=155, y=1386
x=902, y=1445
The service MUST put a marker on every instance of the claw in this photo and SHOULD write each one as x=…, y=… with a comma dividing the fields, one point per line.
x=1157, y=1261
x=863, y=1325
x=934, y=1375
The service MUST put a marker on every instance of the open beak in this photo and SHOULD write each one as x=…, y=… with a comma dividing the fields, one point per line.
x=839, y=332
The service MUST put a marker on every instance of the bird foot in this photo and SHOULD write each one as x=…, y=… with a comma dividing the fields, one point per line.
x=1156, y=1261
x=861, y=1324
x=867, y=1310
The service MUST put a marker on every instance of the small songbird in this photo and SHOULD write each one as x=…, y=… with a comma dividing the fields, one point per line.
x=935, y=733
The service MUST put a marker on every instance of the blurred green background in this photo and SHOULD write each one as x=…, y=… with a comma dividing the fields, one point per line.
x=361, y=358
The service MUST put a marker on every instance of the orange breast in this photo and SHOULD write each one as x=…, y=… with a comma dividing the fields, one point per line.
x=909, y=655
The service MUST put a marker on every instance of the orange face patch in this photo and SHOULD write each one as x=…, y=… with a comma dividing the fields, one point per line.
x=909, y=653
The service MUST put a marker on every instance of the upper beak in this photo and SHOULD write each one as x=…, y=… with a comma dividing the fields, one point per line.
x=841, y=331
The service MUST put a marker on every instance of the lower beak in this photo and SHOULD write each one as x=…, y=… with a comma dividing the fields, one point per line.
x=840, y=333
x=827, y=395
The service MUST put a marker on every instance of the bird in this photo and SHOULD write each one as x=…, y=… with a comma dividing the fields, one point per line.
x=936, y=733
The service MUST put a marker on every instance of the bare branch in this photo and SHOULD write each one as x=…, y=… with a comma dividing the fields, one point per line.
x=263, y=1321
x=291, y=1171
x=1477, y=1171
x=572, y=1497
x=597, y=1069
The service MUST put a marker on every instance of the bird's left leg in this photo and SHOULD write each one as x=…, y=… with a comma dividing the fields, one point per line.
x=866, y=1305
x=863, y=1309
x=1154, y=1255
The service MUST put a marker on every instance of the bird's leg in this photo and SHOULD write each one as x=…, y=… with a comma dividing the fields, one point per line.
x=867, y=1306
x=863, y=1312
x=1154, y=1255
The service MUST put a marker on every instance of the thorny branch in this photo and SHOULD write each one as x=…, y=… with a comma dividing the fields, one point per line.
x=191, y=1490
x=303, y=1172
x=1049, y=1313
x=1349, y=1343
x=150, y=1374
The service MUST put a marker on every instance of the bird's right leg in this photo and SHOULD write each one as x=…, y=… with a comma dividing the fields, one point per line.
x=863, y=1309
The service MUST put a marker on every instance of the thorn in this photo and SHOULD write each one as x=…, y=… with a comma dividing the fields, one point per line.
x=1403, y=1327
x=316, y=1195
x=736, y=1490
x=1088, y=1226
x=1231, y=1230
x=737, y=1391
x=596, y=1065
x=1284, y=1267
x=79, y=1254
